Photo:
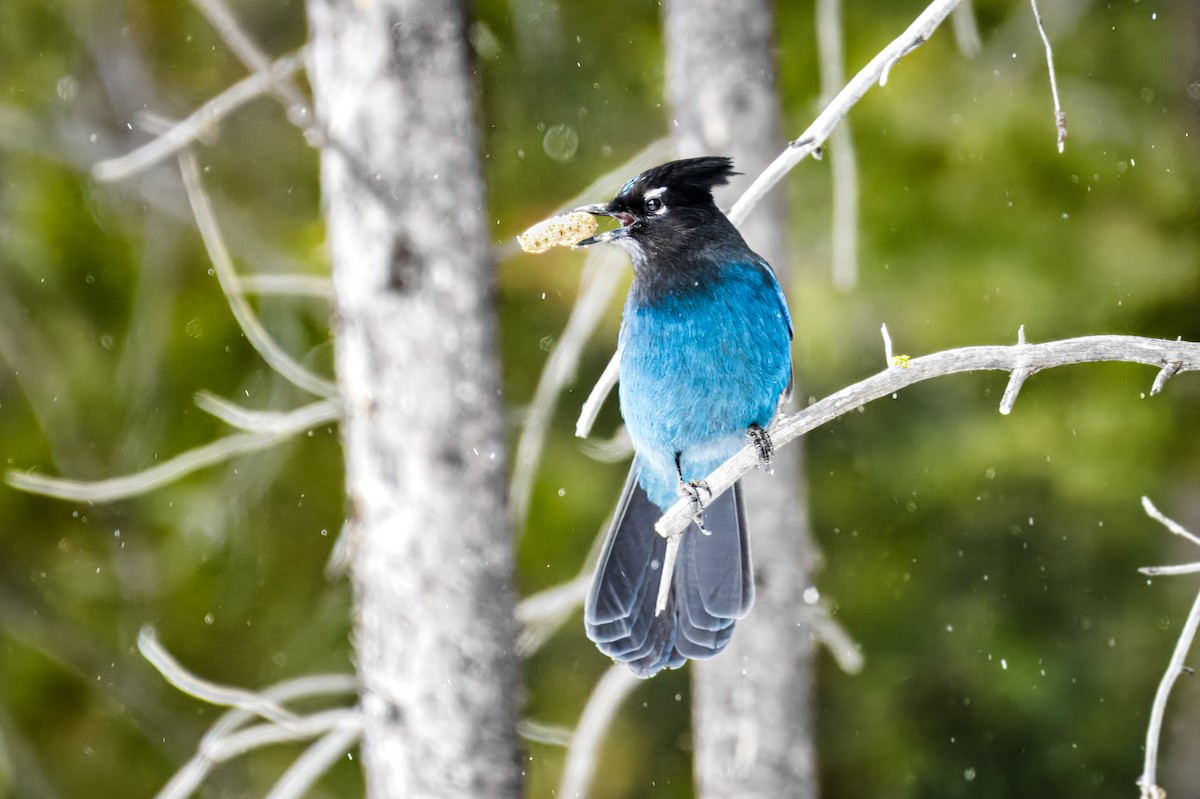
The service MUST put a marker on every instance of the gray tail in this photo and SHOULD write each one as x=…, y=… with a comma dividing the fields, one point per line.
x=713, y=584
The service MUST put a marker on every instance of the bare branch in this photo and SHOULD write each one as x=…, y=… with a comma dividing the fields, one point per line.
x=1060, y=117
x=816, y=134
x=1148, y=782
x=1172, y=525
x=288, y=285
x=548, y=734
x=252, y=56
x=266, y=421
x=616, y=684
x=256, y=334
x=174, y=673
x=215, y=452
x=1166, y=373
x=199, y=121
x=316, y=760
x=1015, y=381
x=837, y=641
x=1021, y=356
x=600, y=391
x=226, y=740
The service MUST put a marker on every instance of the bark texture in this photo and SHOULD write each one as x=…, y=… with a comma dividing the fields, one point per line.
x=752, y=704
x=417, y=368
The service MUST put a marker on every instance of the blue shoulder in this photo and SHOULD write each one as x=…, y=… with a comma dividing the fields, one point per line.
x=779, y=297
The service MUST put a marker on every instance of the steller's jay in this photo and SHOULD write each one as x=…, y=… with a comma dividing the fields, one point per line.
x=704, y=361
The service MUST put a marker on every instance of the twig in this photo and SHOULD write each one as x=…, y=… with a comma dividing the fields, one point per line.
x=1060, y=117
x=252, y=56
x=616, y=684
x=222, y=449
x=548, y=734
x=1148, y=782
x=1087, y=349
x=266, y=421
x=256, y=334
x=835, y=638
x=816, y=134
x=194, y=126
x=316, y=760
x=225, y=739
x=174, y=673
x=1172, y=525
x=600, y=391
x=288, y=285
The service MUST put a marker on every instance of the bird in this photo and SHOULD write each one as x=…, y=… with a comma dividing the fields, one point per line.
x=704, y=363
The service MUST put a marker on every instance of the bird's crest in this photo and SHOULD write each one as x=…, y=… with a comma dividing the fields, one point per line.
x=695, y=174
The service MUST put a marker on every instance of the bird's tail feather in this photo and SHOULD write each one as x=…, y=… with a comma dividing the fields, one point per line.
x=712, y=587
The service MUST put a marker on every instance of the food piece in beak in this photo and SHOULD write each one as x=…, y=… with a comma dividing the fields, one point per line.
x=566, y=230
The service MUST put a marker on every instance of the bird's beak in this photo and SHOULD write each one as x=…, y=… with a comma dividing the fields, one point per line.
x=602, y=209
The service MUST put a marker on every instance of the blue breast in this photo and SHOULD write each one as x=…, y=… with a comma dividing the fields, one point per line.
x=698, y=366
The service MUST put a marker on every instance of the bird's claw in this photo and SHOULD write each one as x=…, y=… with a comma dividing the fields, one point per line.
x=766, y=448
x=691, y=490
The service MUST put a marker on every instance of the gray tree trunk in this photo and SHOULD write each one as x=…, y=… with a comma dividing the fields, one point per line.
x=752, y=707
x=417, y=367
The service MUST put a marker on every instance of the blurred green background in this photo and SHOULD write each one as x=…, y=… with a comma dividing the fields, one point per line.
x=985, y=564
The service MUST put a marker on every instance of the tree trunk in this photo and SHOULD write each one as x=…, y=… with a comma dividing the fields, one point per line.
x=417, y=367
x=753, y=703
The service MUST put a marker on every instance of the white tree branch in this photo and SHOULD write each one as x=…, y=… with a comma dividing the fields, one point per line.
x=218, y=253
x=227, y=738
x=1060, y=117
x=616, y=684
x=114, y=488
x=252, y=56
x=1021, y=357
x=1148, y=782
x=876, y=71
x=200, y=120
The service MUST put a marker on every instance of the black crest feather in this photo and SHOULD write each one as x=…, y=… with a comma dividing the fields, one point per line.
x=688, y=174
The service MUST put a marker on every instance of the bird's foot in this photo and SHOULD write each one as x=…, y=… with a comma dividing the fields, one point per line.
x=766, y=448
x=691, y=490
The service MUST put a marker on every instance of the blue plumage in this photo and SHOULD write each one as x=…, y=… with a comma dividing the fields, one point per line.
x=705, y=356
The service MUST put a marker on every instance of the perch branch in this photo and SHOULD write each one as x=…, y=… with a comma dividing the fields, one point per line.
x=1021, y=356
x=1148, y=782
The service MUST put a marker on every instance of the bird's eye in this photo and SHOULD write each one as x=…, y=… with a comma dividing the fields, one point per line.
x=654, y=205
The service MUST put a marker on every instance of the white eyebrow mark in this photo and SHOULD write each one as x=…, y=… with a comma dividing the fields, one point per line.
x=650, y=195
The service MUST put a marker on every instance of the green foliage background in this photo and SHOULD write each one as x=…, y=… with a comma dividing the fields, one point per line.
x=985, y=564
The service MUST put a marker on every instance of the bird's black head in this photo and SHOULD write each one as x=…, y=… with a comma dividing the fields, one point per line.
x=667, y=208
